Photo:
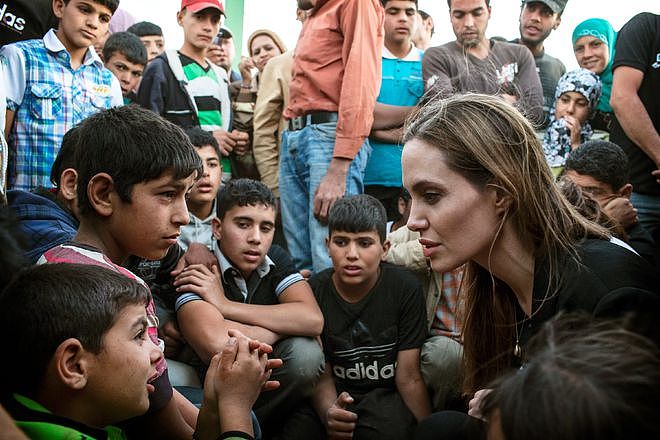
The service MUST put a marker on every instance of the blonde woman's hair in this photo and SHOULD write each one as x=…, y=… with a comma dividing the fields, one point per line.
x=489, y=142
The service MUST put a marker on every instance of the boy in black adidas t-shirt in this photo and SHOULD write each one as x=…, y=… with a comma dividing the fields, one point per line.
x=374, y=327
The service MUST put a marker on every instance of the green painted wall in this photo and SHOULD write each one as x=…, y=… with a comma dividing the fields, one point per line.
x=235, y=10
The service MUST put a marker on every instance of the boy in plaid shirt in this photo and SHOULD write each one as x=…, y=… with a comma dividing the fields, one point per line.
x=52, y=84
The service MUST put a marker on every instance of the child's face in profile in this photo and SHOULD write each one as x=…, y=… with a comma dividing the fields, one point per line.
x=572, y=104
x=119, y=376
x=356, y=257
x=149, y=224
x=207, y=186
x=245, y=235
x=82, y=22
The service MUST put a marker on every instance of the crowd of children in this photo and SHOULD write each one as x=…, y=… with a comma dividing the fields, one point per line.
x=147, y=288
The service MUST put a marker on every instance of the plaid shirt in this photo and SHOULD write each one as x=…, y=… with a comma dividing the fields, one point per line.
x=48, y=98
x=445, y=319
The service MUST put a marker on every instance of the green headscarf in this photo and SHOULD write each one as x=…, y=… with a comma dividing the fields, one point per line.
x=603, y=30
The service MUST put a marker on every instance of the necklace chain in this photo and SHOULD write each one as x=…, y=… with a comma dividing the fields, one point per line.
x=517, y=349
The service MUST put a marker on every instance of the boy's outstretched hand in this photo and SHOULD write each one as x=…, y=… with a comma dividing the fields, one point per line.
x=340, y=422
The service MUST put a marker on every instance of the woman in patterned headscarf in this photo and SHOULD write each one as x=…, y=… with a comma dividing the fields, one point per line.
x=576, y=97
x=593, y=45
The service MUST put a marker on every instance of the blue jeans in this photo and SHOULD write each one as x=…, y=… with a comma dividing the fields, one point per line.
x=648, y=211
x=304, y=159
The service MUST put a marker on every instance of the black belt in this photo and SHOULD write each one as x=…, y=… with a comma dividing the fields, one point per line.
x=311, y=118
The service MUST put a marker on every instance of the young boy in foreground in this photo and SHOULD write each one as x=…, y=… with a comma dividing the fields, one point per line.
x=79, y=376
x=134, y=171
x=374, y=314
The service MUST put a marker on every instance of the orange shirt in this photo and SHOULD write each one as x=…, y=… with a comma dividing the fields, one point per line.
x=337, y=68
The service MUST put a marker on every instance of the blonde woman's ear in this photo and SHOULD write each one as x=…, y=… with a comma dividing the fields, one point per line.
x=503, y=199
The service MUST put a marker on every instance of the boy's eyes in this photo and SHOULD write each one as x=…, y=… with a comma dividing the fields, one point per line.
x=168, y=194
x=86, y=9
x=363, y=243
x=266, y=228
x=141, y=335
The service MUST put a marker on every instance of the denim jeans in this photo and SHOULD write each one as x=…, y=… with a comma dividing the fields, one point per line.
x=648, y=211
x=304, y=159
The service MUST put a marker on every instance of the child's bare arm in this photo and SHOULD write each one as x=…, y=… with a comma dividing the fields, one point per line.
x=9, y=122
x=168, y=422
x=205, y=329
x=8, y=427
x=297, y=314
x=410, y=384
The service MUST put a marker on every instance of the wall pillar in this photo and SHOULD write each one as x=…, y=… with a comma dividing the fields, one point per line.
x=235, y=10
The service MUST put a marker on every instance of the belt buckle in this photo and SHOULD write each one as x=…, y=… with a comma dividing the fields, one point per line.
x=297, y=123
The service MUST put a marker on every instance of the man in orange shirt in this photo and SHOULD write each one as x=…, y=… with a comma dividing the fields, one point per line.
x=335, y=82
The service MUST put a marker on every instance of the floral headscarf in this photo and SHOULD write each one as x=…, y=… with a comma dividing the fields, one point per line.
x=557, y=139
x=603, y=30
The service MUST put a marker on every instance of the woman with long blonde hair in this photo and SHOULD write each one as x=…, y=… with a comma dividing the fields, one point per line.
x=483, y=195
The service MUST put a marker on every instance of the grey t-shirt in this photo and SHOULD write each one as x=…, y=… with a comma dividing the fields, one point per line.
x=508, y=68
x=550, y=69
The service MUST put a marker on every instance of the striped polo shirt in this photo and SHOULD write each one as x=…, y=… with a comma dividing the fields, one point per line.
x=204, y=88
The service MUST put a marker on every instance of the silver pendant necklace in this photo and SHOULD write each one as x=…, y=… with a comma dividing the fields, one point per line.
x=517, y=349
